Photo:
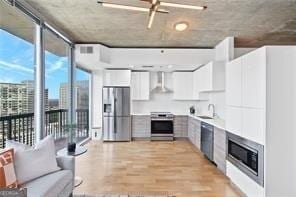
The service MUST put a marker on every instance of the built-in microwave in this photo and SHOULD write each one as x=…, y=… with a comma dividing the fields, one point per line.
x=247, y=155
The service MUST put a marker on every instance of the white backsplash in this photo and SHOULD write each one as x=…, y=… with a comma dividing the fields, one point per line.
x=216, y=98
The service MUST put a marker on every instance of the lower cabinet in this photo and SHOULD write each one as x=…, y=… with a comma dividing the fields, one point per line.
x=141, y=126
x=220, y=149
x=194, y=131
x=180, y=126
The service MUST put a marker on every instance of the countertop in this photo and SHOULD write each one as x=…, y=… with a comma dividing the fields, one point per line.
x=219, y=123
x=216, y=122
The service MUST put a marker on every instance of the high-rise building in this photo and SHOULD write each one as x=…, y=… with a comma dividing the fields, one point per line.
x=82, y=95
x=13, y=98
x=18, y=98
x=63, y=104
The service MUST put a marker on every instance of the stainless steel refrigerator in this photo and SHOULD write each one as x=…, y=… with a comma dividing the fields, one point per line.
x=116, y=114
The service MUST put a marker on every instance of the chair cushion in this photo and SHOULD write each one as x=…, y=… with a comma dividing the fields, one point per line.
x=31, y=163
x=50, y=185
x=7, y=173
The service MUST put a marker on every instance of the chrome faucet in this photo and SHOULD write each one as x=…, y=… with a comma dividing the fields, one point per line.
x=213, y=106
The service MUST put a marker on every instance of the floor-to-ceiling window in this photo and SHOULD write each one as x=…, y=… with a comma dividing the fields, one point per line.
x=17, y=62
x=56, y=84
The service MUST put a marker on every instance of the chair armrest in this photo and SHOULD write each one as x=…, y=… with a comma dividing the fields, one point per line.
x=66, y=163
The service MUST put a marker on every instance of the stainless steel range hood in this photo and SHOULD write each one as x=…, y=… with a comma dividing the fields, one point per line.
x=160, y=87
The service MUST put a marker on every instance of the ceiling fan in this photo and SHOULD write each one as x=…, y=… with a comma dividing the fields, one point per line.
x=155, y=8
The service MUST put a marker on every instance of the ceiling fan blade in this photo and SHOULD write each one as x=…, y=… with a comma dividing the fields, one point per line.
x=125, y=7
x=177, y=5
x=151, y=18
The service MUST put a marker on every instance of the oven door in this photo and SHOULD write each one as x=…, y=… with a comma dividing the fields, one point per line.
x=162, y=127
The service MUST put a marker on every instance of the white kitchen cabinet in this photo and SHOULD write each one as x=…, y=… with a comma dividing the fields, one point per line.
x=198, y=80
x=265, y=115
x=246, y=184
x=253, y=125
x=234, y=83
x=254, y=79
x=220, y=149
x=140, y=86
x=183, y=86
x=233, y=121
x=117, y=78
x=212, y=76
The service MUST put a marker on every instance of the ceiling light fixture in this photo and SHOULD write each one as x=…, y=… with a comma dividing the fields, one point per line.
x=124, y=7
x=154, y=8
x=176, y=5
x=181, y=26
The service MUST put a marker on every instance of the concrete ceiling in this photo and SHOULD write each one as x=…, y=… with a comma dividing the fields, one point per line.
x=252, y=22
x=18, y=24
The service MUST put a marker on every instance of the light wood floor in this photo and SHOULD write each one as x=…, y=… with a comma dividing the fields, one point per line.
x=144, y=167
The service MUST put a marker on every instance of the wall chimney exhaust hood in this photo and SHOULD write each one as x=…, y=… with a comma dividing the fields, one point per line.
x=160, y=87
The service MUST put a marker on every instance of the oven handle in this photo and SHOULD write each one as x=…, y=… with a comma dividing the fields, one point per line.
x=162, y=120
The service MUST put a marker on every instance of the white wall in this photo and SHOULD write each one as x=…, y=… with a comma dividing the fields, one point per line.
x=162, y=101
x=184, y=58
x=96, y=98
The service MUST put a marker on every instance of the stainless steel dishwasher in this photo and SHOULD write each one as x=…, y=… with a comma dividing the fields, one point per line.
x=207, y=140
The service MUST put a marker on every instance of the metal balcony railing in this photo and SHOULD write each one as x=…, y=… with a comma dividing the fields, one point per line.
x=21, y=127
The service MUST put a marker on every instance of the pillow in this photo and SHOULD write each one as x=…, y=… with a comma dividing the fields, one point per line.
x=31, y=163
x=7, y=173
x=17, y=146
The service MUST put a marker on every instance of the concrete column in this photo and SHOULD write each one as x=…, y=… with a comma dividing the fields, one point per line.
x=39, y=112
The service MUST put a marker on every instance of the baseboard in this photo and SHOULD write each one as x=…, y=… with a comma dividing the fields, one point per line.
x=148, y=138
x=140, y=138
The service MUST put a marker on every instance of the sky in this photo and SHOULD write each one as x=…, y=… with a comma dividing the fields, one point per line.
x=17, y=64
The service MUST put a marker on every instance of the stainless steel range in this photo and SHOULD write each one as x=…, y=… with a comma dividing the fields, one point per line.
x=162, y=126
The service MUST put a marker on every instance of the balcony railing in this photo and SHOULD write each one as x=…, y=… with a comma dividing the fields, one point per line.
x=21, y=127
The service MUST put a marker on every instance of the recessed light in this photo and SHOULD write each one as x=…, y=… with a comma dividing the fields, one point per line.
x=170, y=66
x=131, y=66
x=181, y=26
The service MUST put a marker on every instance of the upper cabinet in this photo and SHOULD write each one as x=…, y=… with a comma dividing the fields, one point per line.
x=211, y=77
x=254, y=79
x=234, y=83
x=140, y=86
x=117, y=78
x=183, y=86
x=246, y=80
x=195, y=85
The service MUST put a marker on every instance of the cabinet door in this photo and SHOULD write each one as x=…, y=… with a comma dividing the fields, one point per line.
x=140, y=85
x=135, y=89
x=234, y=82
x=141, y=126
x=207, y=84
x=183, y=85
x=117, y=78
x=254, y=79
x=197, y=129
x=253, y=127
x=233, y=122
x=220, y=149
x=145, y=85
x=191, y=130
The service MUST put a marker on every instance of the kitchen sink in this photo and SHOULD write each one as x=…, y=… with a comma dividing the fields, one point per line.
x=205, y=117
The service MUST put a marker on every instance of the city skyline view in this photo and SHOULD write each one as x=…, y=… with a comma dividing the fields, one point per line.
x=17, y=64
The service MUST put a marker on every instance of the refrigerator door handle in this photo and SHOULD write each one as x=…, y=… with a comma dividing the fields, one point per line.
x=115, y=115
